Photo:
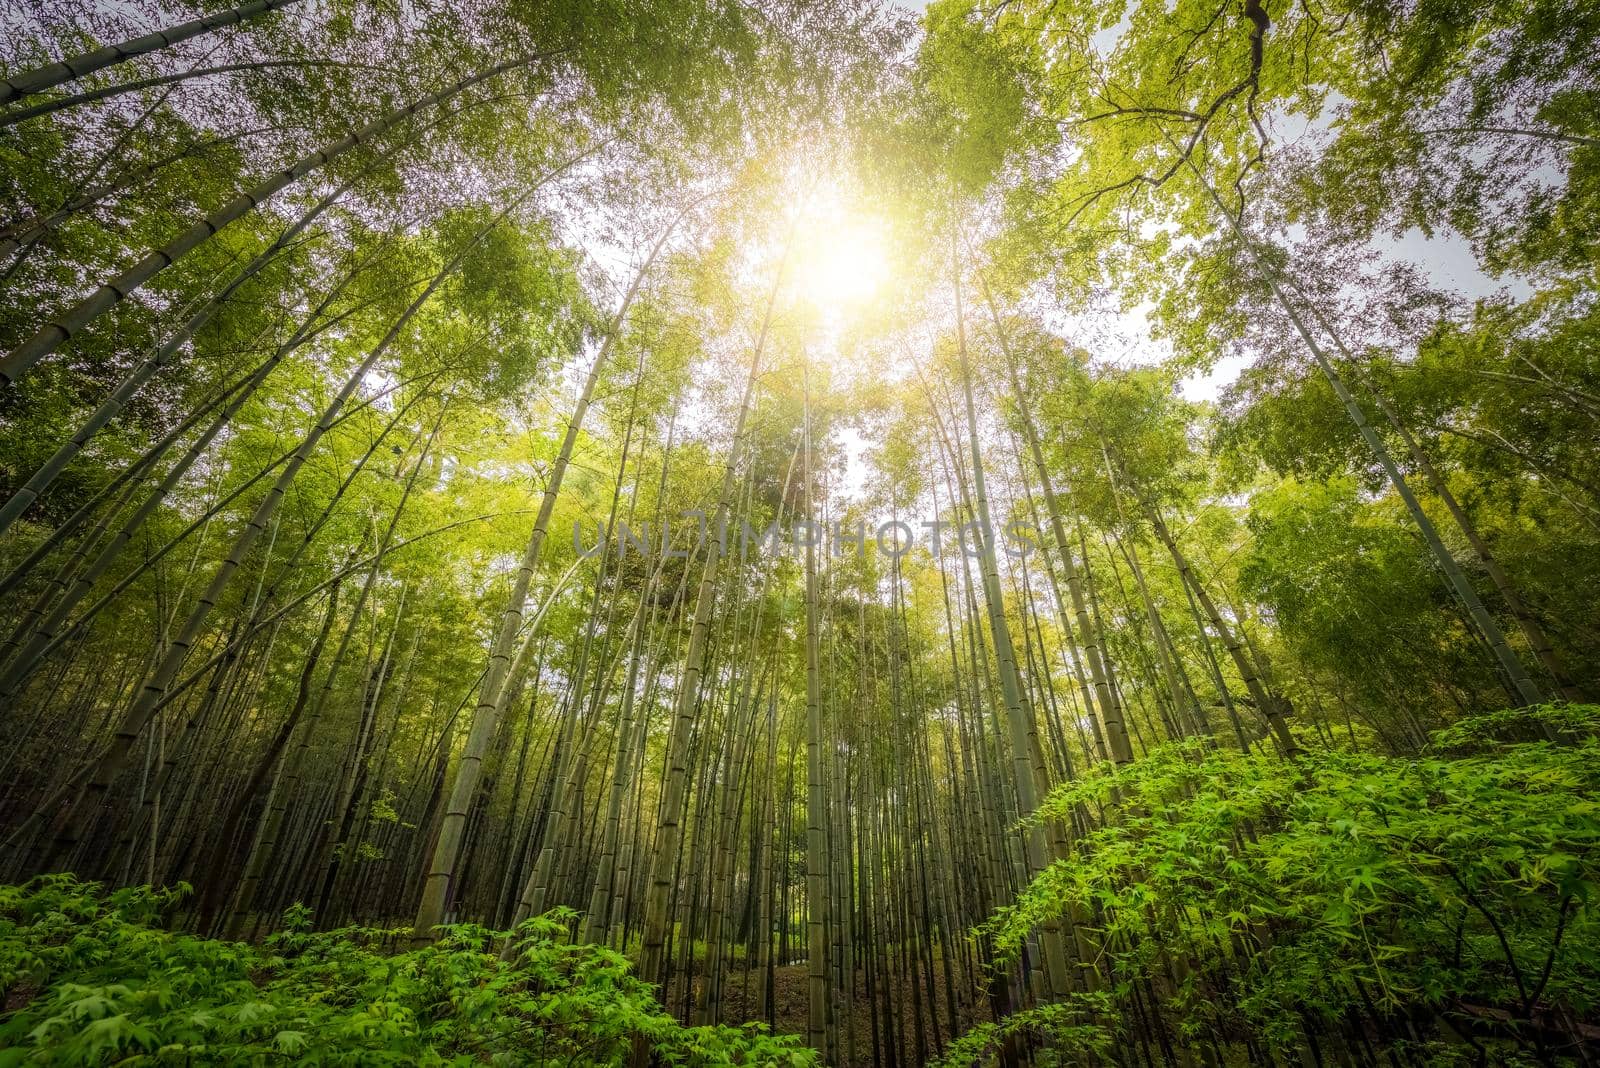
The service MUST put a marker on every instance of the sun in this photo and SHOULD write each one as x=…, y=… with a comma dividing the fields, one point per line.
x=840, y=258
x=842, y=263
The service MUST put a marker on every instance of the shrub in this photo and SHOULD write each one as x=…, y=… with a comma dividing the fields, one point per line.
x=100, y=979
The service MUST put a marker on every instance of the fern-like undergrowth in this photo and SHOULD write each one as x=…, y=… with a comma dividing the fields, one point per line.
x=95, y=977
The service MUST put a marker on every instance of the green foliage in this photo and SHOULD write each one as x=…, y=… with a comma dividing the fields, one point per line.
x=1267, y=897
x=1070, y=1031
x=1058, y=161
x=1352, y=590
x=100, y=979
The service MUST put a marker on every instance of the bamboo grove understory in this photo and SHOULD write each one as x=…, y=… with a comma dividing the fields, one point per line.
x=1004, y=533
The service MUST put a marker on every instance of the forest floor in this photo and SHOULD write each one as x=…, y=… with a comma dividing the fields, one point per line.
x=791, y=999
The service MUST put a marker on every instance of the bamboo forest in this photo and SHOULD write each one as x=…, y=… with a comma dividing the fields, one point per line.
x=800, y=532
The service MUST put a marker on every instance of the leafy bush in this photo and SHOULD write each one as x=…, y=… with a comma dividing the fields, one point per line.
x=1442, y=905
x=1073, y=1031
x=99, y=979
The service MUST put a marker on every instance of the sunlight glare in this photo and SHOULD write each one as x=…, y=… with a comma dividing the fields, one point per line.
x=847, y=266
x=841, y=260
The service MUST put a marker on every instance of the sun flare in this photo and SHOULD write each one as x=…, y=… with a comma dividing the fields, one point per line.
x=844, y=263
x=839, y=260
